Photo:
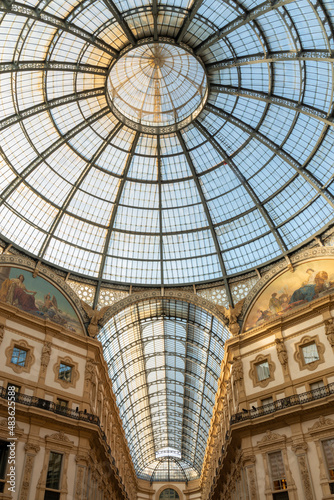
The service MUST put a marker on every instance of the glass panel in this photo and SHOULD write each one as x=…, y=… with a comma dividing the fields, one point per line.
x=3, y=462
x=19, y=356
x=277, y=471
x=169, y=494
x=65, y=372
x=267, y=401
x=54, y=471
x=263, y=371
x=310, y=353
x=328, y=447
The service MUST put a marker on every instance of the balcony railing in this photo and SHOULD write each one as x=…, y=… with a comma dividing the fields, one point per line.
x=280, y=404
x=44, y=404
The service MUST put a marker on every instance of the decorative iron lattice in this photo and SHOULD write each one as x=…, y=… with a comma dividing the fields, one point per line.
x=108, y=297
x=84, y=292
x=216, y=295
x=241, y=289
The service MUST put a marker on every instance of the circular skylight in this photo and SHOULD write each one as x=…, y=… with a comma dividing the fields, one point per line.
x=107, y=172
x=157, y=87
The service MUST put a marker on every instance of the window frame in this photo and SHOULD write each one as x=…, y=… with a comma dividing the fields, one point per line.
x=253, y=373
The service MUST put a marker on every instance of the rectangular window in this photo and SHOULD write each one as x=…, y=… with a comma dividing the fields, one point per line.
x=310, y=353
x=328, y=447
x=278, y=479
x=267, y=401
x=19, y=356
x=54, y=472
x=65, y=372
x=262, y=371
x=3, y=464
x=62, y=403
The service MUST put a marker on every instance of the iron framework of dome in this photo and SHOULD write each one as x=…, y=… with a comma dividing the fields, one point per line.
x=223, y=165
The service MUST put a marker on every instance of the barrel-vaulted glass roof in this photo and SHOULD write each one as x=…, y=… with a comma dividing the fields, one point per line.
x=229, y=177
x=164, y=359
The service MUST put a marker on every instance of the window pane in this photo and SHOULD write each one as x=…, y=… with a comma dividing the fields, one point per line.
x=310, y=353
x=263, y=371
x=277, y=471
x=3, y=458
x=267, y=401
x=328, y=446
x=53, y=477
x=19, y=356
x=169, y=494
x=65, y=372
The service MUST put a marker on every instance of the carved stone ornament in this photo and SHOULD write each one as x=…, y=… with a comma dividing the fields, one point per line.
x=237, y=371
x=322, y=423
x=329, y=329
x=2, y=332
x=252, y=483
x=271, y=438
x=31, y=448
x=281, y=352
x=90, y=369
x=231, y=314
x=59, y=436
x=46, y=353
x=299, y=448
x=94, y=315
x=305, y=477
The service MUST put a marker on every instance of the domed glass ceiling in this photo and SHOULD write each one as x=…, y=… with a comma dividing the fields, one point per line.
x=164, y=359
x=157, y=87
x=247, y=180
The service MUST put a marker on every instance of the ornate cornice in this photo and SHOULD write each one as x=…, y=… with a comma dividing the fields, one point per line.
x=136, y=297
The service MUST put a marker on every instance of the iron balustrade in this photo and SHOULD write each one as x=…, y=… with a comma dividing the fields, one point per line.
x=44, y=404
x=280, y=404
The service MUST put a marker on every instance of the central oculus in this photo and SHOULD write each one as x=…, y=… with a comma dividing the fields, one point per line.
x=157, y=87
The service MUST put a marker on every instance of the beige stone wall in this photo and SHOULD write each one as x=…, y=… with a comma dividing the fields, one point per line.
x=237, y=464
x=96, y=462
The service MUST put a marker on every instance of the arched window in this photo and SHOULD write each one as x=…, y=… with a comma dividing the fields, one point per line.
x=169, y=494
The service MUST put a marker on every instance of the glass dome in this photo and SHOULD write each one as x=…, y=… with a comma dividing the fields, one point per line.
x=219, y=167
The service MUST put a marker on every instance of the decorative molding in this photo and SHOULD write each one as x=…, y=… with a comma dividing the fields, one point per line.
x=298, y=355
x=271, y=439
x=281, y=352
x=74, y=374
x=90, y=370
x=2, y=332
x=30, y=358
x=31, y=451
x=32, y=448
x=60, y=441
x=174, y=294
x=329, y=330
x=45, y=357
x=275, y=271
x=253, y=371
x=322, y=424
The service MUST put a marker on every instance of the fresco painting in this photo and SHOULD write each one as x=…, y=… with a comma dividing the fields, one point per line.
x=38, y=297
x=308, y=282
